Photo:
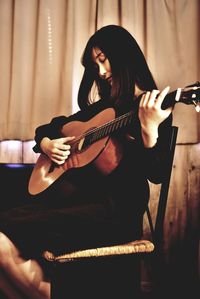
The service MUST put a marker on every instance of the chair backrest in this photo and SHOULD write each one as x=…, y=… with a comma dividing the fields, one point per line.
x=157, y=229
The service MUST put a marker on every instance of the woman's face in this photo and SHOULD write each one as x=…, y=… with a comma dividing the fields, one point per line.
x=103, y=64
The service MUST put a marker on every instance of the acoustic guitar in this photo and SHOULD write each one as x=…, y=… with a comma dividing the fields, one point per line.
x=93, y=140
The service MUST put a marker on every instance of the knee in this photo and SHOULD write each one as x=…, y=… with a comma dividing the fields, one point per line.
x=4, y=248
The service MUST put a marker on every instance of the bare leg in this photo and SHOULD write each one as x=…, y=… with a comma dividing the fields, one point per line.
x=8, y=289
x=26, y=275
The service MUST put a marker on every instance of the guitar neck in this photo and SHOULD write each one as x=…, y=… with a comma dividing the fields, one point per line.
x=108, y=128
x=187, y=95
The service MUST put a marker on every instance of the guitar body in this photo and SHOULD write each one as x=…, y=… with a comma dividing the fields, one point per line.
x=105, y=153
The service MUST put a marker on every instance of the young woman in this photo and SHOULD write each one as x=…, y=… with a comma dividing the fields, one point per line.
x=103, y=201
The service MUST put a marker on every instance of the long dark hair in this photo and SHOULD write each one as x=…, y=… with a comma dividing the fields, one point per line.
x=128, y=66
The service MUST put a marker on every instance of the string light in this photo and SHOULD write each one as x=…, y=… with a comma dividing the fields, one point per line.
x=50, y=45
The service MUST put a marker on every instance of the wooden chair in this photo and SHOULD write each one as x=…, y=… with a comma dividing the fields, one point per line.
x=112, y=271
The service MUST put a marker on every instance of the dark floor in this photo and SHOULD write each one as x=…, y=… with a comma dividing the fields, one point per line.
x=164, y=294
x=2, y=296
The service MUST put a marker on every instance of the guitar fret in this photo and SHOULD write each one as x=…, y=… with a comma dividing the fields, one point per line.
x=106, y=129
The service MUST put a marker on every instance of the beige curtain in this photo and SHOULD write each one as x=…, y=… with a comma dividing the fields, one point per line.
x=41, y=43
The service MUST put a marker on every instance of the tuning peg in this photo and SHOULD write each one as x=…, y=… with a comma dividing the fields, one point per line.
x=197, y=107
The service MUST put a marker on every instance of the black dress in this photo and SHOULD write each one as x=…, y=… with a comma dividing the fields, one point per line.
x=99, y=209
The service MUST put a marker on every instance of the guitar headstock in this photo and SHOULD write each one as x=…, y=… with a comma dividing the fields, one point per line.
x=189, y=95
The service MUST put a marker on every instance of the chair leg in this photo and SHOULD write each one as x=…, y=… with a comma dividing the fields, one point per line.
x=113, y=277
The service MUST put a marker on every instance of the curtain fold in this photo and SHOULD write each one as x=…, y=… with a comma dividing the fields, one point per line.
x=42, y=42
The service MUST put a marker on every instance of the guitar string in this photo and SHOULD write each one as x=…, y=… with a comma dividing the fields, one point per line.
x=119, y=120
